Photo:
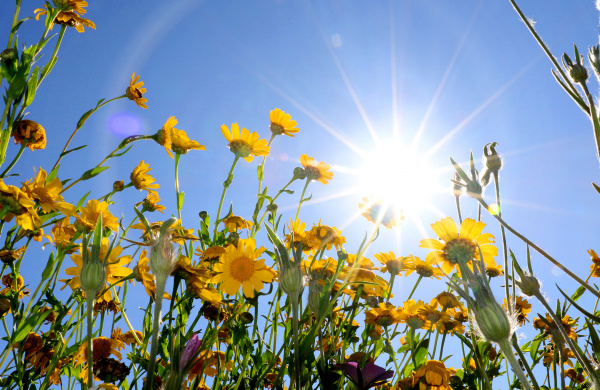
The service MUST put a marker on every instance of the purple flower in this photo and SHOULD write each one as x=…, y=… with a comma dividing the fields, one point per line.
x=190, y=350
x=370, y=376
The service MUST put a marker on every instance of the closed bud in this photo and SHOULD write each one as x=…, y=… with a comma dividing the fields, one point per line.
x=272, y=208
x=246, y=318
x=299, y=173
x=118, y=185
x=92, y=276
x=203, y=214
x=528, y=284
x=162, y=253
x=578, y=73
x=372, y=301
x=492, y=321
x=8, y=55
x=233, y=238
x=291, y=280
x=314, y=296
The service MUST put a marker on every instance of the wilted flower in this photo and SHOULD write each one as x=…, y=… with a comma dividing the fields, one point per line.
x=32, y=133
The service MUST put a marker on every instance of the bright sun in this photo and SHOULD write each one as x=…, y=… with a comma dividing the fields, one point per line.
x=399, y=176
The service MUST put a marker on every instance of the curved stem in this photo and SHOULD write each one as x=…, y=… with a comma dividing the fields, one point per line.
x=14, y=161
x=226, y=185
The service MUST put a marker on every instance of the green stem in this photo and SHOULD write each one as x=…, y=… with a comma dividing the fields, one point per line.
x=90, y=325
x=542, y=252
x=262, y=166
x=524, y=362
x=14, y=161
x=5, y=133
x=507, y=351
x=301, y=201
x=457, y=198
x=294, y=301
x=504, y=246
x=415, y=287
x=158, y=299
x=177, y=156
x=594, y=118
x=256, y=227
x=226, y=185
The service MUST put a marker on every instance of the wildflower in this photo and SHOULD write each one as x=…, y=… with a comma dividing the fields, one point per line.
x=71, y=5
x=574, y=376
x=163, y=136
x=115, y=269
x=69, y=18
x=548, y=356
x=48, y=194
x=362, y=263
x=143, y=275
x=319, y=172
x=412, y=316
x=14, y=202
x=323, y=236
x=239, y=266
x=63, y=233
x=375, y=210
x=447, y=300
x=13, y=285
x=9, y=256
x=190, y=350
x=181, y=144
x=368, y=377
x=129, y=338
x=233, y=223
x=392, y=263
x=492, y=162
x=282, y=123
x=150, y=203
x=493, y=269
x=110, y=370
x=384, y=315
x=595, y=267
x=434, y=375
x=90, y=213
x=135, y=91
x=431, y=312
x=141, y=179
x=211, y=254
x=522, y=308
x=162, y=253
x=456, y=246
x=299, y=235
x=102, y=348
x=424, y=269
x=568, y=324
x=244, y=144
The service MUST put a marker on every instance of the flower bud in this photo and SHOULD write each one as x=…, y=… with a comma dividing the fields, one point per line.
x=272, y=208
x=291, y=280
x=162, y=253
x=203, y=214
x=492, y=321
x=299, y=173
x=314, y=296
x=578, y=73
x=8, y=54
x=92, y=276
x=372, y=301
x=528, y=284
x=246, y=318
x=189, y=351
x=118, y=186
x=233, y=238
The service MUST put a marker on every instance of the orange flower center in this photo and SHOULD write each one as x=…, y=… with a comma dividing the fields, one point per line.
x=242, y=268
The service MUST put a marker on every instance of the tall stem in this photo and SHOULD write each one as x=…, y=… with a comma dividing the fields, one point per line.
x=226, y=185
x=90, y=308
x=506, y=349
x=504, y=246
x=301, y=201
x=158, y=298
x=294, y=301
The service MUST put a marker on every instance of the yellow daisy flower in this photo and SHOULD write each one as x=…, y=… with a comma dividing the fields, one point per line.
x=372, y=208
x=141, y=179
x=69, y=18
x=89, y=214
x=300, y=236
x=245, y=144
x=116, y=269
x=150, y=203
x=522, y=309
x=163, y=136
x=326, y=236
x=233, y=223
x=71, y=5
x=384, y=315
x=32, y=133
x=181, y=144
x=392, y=263
x=434, y=375
x=458, y=246
x=143, y=275
x=239, y=266
x=426, y=269
x=411, y=313
x=135, y=91
x=282, y=123
x=62, y=233
x=319, y=172
x=48, y=194
x=14, y=202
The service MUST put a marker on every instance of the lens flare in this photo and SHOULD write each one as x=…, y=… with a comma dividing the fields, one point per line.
x=125, y=124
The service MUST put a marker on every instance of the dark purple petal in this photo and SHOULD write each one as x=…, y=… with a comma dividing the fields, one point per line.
x=373, y=375
x=351, y=371
x=190, y=349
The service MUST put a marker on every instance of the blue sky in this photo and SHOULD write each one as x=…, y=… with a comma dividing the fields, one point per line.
x=468, y=73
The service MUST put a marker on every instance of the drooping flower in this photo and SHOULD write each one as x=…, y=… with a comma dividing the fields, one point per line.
x=456, y=246
x=163, y=136
x=32, y=133
x=239, y=266
x=245, y=144
x=233, y=223
x=181, y=144
x=14, y=202
x=141, y=179
x=375, y=209
x=70, y=18
x=368, y=377
x=282, y=123
x=135, y=91
x=90, y=213
x=319, y=172
x=48, y=194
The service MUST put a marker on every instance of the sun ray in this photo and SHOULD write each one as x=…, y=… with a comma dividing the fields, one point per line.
x=395, y=118
x=479, y=109
x=447, y=73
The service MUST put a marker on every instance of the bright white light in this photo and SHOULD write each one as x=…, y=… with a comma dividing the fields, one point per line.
x=400, y=176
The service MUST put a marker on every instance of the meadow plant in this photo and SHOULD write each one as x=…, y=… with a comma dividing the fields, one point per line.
x=261, y=301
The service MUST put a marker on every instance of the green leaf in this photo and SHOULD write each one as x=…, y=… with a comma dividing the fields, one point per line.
x=181, y=196
x=596, y=187
x=578, y=293
x=32, y=87
x=52, y=174
x=80, y=203
x=595, y=339
x=288, y=191
x=535, y=346
x=48, y=68
x=17, y=85
x=93, y=172
x=260, y=173
x=72, y=150
x=18, y=24
x=84, y=117
x=49, y=267
x=26, y=326
x=421, y=353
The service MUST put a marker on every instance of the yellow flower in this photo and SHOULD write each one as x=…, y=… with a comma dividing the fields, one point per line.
x=135, y=91
x=326, y=236
x=522, y=308
x=434, y=375
x=239, y=267
x=384, y=315
x=48, y=194
x=163, y=136
x=62, y=233
x=447, y=300
x=141, y=179
x=32, y=133
x=89, y=215
x=493, y=269
x=150, y=203
x=71, y=5
x=211, y=254
x=282, y=123
x=233, y=223
x=102, y=348
x=11, y=286
x=69, y=18
x=374, y=209
x=14, y=202
x=412, y=316
x=362, y=263
x=568, y=324
x=116, y=269
x=458, y=246
x=392, y=263
x=548, y=357
x=181, y=144
x=143, y=275
x=320, y=172
x=299, y=235
x=244, y=144
x=425, y=268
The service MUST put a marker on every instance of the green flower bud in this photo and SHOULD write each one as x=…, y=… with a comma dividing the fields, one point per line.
x=291, y=280
x=246, y=317
x=299, y=173
x=93, y=276
x=162, y=253
x=272, y=208
x=233, y=238
x=314, y=295
x=118, y=186
x=8, y=54
x=578, y=73
x=528, y=284
x=203, y=214
x=492, y=321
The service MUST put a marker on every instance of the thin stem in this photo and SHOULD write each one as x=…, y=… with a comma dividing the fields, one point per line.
x=177, y=156
x=14, y=161
x=506, y=349
x=294, y=301
x=301, y=201
x=504, y=246
x=457, y=198
x=541, y=251
x=158, y=299
x=226, y=185
x=594, y=118
x=90, y=325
